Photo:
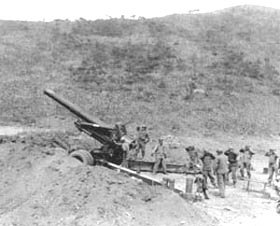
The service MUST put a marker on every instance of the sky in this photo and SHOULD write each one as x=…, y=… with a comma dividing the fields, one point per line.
x=48, y=10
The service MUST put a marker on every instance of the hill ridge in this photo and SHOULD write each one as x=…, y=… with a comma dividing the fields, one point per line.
x=146, y=70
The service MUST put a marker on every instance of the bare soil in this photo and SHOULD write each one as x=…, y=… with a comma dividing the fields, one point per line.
x=42, y=185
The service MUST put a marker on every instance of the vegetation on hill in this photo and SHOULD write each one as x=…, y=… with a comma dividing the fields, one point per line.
x=145, y=70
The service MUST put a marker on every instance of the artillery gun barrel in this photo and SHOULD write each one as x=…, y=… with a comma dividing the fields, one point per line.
x=74, y=109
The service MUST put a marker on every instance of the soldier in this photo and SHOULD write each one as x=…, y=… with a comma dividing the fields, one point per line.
x=160, y=155
x=201, y=187
x=233, y=164
x=118, y=132
x=207, y=167
x=272, y=164
x=194, y=163
x=119, y=136
x=221, y=170
x=245, y=161
x=142, y=139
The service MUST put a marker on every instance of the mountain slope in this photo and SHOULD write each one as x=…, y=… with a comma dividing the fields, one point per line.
x=143, y=70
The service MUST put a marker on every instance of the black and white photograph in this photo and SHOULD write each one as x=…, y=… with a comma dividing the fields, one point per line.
x=139, y=113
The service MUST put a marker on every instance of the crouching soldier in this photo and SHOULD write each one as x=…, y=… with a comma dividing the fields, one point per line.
x=160, y=155
x=201, y=187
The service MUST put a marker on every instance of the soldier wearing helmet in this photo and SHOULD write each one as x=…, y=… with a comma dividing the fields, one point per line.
x=221, y=169
x=160, y=155
x=193, y=161
x=207, y=167
x=142, y=139
x=246, y=155
x=119, y=137
x=233, y=164
x=272, y=164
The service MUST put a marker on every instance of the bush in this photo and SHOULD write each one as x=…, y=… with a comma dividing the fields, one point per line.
x=235, y=63
x=133, y=61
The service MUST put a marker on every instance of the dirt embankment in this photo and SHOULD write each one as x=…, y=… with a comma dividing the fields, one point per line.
x=41, y=185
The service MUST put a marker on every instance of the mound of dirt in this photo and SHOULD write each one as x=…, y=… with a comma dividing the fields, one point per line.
x=41, y=185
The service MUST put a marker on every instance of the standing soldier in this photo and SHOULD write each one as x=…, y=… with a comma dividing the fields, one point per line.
x=160, y=156
x=194, y=163
x=120, y=138
x=221, y=170
x=233, y=164
x=207, y=166
x=245, y=161
x=272, y=164
x=142, y=139
x=125, y=147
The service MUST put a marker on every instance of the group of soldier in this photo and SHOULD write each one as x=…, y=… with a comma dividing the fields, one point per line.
x=139, y=145
x=217, y=168
x=227, y=163
x=159, y=152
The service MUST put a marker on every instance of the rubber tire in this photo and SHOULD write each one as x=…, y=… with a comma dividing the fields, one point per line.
x=84, y=156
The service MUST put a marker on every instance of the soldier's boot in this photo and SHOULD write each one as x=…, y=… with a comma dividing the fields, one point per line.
x=205, y=194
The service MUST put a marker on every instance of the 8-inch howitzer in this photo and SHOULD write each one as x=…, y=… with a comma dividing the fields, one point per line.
x=109, y=136
x=112, y=139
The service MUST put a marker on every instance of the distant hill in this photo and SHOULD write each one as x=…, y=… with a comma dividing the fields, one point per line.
x=145, y=70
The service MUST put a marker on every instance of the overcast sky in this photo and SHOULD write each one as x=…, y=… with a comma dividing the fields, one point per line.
x=47, y=10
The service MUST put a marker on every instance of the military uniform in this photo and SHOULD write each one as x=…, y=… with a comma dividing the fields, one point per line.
x=245, y=161
x=233, y=164
x=142, y=139
x=160, y=156
x=119, y=136
x=221, y=170
x=125, y=147
x=193, y=163
x=207, y=167
x=201, y=187
x=272, y=164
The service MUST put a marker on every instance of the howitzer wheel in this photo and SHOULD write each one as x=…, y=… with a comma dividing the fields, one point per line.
x=83, y=156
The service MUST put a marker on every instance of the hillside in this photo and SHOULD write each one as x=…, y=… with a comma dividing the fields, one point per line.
x=142, y=70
